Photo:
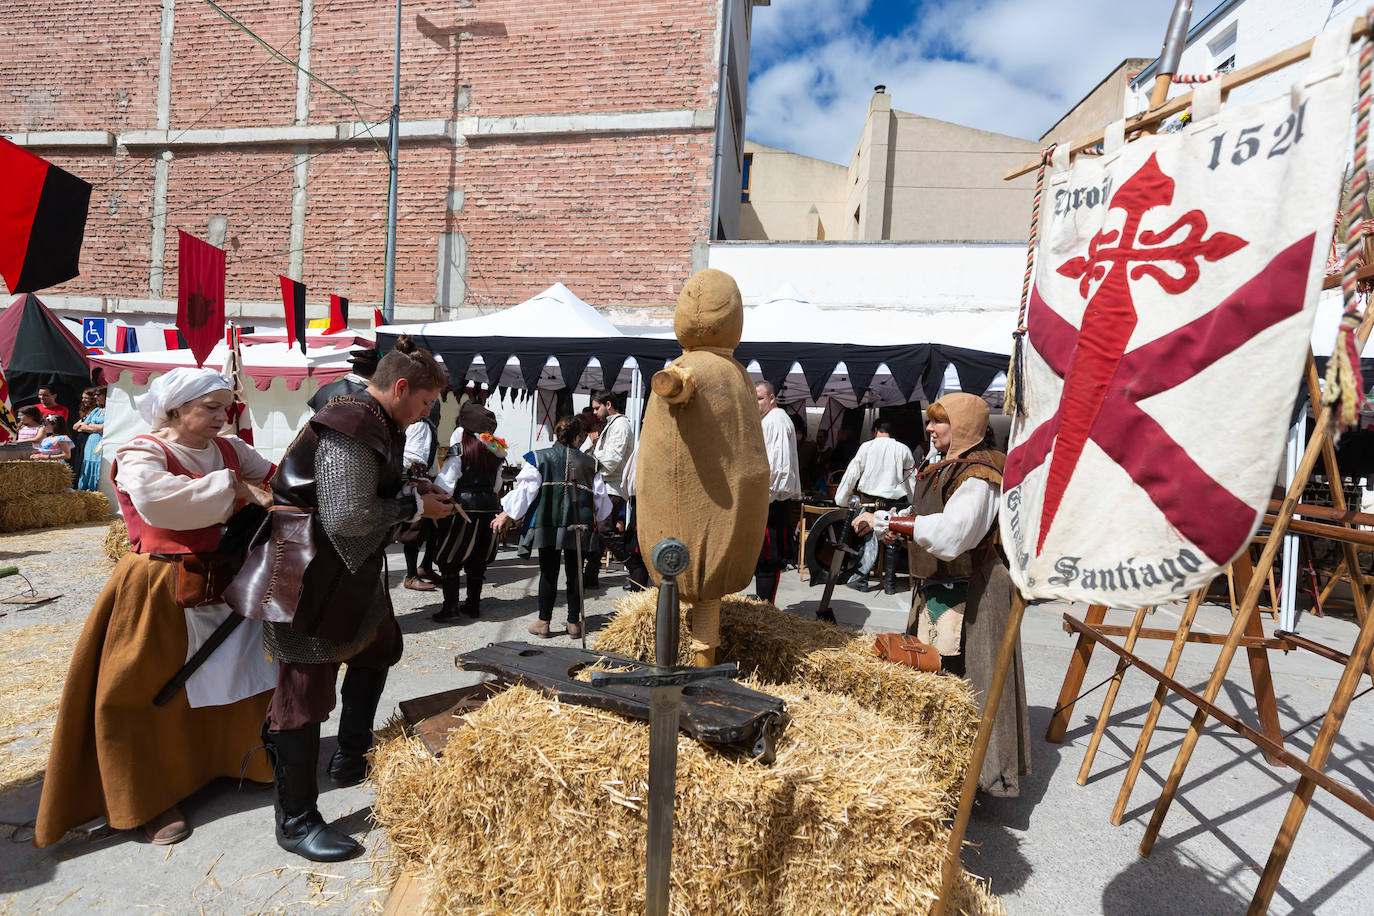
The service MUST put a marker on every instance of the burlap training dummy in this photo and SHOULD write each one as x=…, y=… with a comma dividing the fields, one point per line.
x=702, y=474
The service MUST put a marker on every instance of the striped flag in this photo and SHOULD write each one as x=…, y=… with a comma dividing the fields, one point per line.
x=9, y=426
x=293, y=300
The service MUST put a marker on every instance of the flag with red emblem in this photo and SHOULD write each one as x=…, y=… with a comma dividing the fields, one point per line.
x=1175, y=286
x=200, y=294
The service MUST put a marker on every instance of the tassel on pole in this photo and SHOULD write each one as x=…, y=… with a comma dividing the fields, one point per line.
x=1344, y=388
x=1013, y=402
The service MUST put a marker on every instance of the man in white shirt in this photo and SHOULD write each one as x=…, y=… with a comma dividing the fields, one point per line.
x=881, y=475
x=613, y=446
x=422, y=447
x=784, y=490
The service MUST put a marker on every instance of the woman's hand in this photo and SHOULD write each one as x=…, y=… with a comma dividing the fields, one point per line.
x=500, y=524
x=253, y=494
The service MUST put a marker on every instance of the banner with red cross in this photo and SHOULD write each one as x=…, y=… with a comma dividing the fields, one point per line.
x=1175, y=286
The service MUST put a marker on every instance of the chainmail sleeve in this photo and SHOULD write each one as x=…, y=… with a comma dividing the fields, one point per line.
x=353, y=516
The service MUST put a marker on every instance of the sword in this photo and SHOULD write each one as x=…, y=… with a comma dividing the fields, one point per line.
x=207, y=648
x=665, y=681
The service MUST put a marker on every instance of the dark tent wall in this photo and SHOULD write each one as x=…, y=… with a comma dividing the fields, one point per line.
x=36, y=350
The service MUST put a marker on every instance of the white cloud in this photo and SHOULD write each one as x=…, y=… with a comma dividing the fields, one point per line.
x=1007, y=66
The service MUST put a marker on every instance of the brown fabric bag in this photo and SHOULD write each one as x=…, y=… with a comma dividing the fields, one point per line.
x=906, y=650
x=268, y=585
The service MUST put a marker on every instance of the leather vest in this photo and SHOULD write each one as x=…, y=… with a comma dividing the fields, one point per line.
x=552, y=509
x=333, y=600
x=935, y=484
x=476, y=490
x=145, y=538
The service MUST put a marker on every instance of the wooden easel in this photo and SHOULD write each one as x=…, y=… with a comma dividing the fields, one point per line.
x=1245, y=628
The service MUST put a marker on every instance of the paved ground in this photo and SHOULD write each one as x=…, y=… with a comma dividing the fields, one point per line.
x=1051, y=851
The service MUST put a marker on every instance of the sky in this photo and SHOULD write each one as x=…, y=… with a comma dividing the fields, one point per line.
x=1010, y=66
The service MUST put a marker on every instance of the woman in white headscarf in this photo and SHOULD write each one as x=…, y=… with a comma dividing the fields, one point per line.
x=114, y=753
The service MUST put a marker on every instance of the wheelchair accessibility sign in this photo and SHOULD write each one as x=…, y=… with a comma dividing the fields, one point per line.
x=93, y=333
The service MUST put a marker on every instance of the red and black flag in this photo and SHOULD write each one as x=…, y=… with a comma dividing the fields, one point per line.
x=200, y=294
x=338, y=313
x=377, y=319
x=293, y=300
x=42, y=220
x=172, y=339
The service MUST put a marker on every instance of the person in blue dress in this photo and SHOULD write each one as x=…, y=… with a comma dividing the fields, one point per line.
x=93, y=425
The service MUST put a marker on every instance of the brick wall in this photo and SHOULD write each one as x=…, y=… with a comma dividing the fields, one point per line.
x=613, y=215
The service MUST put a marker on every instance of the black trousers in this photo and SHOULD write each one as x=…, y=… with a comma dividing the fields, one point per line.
x=779, y=549
x=612, y=538
x=412, y=549
x=548, y=582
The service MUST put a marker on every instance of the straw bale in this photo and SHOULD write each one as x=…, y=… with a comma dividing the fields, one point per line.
x=780, y=648
x=538, y=806
x=29, y=478
x=31, y=683
x=116, y=542
x=44, y=510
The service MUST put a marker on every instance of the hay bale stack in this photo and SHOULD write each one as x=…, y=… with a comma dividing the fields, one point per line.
x=775, y=647
x=116, y=542
x=31, y=478
x=526, y=812
x=45, y=508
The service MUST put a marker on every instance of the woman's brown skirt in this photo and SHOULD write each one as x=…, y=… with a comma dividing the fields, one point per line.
x=116, y=754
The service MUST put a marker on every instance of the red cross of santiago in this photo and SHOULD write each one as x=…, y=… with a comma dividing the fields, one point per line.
x=1104, y=385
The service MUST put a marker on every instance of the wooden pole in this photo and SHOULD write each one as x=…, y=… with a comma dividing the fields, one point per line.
x=949, y=867
x=1073, y=677
x=1324, y=425
x=1142, y=744
x=1321, y=750
x=1110, y=699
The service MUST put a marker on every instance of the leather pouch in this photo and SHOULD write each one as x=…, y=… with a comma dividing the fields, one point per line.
x=201, y=578
x=907, y=650
x=268, y=585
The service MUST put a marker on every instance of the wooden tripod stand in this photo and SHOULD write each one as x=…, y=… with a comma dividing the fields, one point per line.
x=1245, y=628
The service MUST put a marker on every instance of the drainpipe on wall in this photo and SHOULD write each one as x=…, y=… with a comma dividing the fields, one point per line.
x=721, y=99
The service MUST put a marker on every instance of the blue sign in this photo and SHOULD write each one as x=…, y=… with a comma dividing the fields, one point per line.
x=93, y=332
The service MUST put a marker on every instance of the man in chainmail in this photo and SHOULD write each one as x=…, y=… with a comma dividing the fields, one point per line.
x=345, y=467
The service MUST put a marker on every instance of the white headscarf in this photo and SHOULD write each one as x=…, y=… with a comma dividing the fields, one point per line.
x=178, y=387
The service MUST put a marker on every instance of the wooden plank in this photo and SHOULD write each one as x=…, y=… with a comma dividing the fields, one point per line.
x=407, y=897
x=1100, y=726
x=1229, y=81
x=1211, y=639
x=1073, y=679
x=1147, y=730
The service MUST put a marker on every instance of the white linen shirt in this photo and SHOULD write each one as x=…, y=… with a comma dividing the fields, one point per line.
x=612, y=450
x=419, y=438
x=780, y=441
x=448, y=475
x=881, y=467
x=967, y=518
x=167, y=500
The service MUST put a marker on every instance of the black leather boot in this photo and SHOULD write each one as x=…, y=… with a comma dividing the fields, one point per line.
x=362, y=688
x=449, y=611
x=890, y=569
x=300, y=827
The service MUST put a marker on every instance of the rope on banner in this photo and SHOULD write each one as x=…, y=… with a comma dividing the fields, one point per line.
x=1344, y=386
x=1189, y=79
x=1012, y=403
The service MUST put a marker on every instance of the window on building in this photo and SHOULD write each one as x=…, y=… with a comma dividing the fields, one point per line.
x=745, y=172
x=1223, y=49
